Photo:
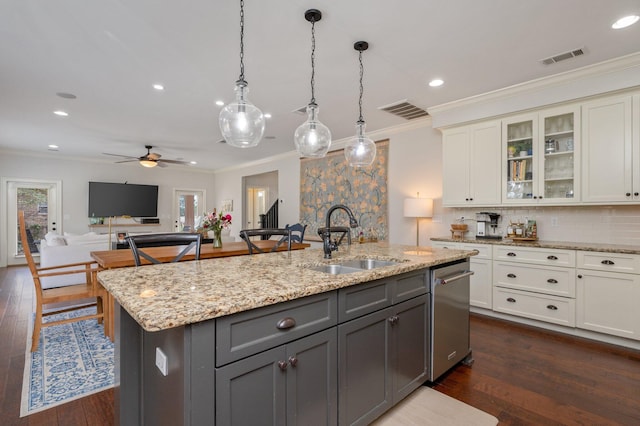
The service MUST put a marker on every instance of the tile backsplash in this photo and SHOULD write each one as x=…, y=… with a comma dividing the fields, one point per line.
x=588, y=224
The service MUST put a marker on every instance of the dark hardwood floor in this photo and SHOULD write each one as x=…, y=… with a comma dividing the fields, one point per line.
x=521, y=375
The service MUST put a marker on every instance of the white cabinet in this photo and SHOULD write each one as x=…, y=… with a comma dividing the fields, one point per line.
x=540, y=157
x=480, y=291
x=471, y=165
x=536, y=283
x=611, y=150
x=608, y=299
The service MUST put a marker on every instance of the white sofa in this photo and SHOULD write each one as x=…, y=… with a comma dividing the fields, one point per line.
x=58, y=249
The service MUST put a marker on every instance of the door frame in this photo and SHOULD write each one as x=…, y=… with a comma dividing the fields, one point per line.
x=175, y=213
x=10, y=218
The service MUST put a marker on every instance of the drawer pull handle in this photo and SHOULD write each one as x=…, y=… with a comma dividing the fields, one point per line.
x=552, y=257
x=608, y=262
x=511, y=299
x=286, y=323
x=293, y=361
x=511, y=275
x=511, y=254
x=552, y=281
x=282, y=365
x=552, y=307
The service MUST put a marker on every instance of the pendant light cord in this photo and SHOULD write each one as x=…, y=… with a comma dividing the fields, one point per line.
x=241, y=78
x=313, y=60
x=360, y=119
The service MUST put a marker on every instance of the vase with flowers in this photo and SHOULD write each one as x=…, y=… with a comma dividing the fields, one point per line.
x=216, y=222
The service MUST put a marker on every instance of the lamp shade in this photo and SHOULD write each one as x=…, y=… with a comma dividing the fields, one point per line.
x=418, y=207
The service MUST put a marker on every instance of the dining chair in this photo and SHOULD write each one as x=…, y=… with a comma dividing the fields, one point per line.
x=285, y=234
x=297, y=232
x=59, y=300
x=139, y=242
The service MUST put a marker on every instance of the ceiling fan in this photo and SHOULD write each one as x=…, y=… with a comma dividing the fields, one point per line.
x=151, y=159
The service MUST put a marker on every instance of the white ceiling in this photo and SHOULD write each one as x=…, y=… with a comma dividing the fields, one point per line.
x=109, y=53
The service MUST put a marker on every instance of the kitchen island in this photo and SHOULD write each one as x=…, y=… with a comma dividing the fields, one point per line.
x=255, y=338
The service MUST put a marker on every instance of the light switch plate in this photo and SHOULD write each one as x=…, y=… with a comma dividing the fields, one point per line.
x=161, y=362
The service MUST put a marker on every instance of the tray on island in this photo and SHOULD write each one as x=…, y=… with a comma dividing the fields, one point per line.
x=524, y=238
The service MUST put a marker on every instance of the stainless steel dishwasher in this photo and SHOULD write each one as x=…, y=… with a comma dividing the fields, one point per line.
x=449, y=317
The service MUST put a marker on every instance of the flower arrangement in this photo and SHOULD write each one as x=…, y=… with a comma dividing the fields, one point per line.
x=215, y=221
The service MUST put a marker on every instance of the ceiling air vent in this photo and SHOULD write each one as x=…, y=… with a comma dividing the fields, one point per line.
x=405, y=110
x=563, y=56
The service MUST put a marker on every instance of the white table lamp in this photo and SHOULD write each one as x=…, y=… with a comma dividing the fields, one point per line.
x=418, y=208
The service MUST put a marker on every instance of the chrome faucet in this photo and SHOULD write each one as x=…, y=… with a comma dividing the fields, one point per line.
x=325, y=232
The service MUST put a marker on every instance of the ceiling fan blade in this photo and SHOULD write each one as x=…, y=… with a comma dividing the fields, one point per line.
x=119, y=155
x=173, y=161
x=127, y=161
x=161, y=164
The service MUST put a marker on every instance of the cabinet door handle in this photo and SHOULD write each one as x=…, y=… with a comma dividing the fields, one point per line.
x=540, y=196
x=552, y=257
x=579, y=275
x=511, y=299
x=511, y=254
x=628, y=194
x=282, y=365
x=635, y=194
x=535, y=197
x=552, y=281
x=286, y=323
x=511, y=275
x=552, y=307
x=393, y=320
x=293, y=361
x=608, y=262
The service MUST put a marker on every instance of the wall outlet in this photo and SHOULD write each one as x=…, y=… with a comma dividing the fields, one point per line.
x=554, y=221
x=162, y=362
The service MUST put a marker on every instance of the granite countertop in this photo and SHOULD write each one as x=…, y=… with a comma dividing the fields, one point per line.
x=606, y=248
x=169, y=295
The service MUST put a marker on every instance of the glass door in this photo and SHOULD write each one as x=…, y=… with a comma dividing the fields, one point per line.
x=188, y=208
x=559, y=134
x=520, y=135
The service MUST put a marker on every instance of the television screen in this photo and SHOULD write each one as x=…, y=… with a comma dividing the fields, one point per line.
x=122, y=199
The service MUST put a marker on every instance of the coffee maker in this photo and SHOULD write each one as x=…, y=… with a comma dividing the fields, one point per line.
x=487, y=226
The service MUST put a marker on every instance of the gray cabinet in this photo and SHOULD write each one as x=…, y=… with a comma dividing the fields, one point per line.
x=293, y=384
x=382, y=358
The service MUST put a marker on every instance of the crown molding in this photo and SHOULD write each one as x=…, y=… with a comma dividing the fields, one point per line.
x=606, y=67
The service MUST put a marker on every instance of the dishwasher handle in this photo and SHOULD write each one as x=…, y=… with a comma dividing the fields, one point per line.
x=453, y=277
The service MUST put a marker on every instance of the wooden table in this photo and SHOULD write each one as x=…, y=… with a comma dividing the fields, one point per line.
x=110, y=259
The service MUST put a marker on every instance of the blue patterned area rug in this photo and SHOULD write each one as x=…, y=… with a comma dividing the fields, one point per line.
x=72, y=361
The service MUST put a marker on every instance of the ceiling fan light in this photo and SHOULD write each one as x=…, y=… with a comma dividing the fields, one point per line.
x=241, y=123
x=360, y=151
x=148, y=163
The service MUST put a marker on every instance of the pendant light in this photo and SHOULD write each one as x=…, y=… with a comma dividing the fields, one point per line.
x=241, y=123
x=360, y=151
x=312, y=138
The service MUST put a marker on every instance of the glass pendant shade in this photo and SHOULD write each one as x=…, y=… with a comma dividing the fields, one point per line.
x=241, y=123
x=312, y=138
x=360, y=151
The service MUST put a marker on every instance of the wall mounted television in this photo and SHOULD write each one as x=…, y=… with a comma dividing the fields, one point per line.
x=122, y=199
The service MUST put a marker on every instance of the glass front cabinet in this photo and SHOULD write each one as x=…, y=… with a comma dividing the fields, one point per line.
x=540, y=157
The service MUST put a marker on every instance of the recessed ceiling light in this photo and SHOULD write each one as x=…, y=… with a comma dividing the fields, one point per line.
x=625, y=22
x=158, y=87
x=53, y=147
x=61, y=113
x=193, y=162
x=267, y=115
x=219, y=103
x=436, y=82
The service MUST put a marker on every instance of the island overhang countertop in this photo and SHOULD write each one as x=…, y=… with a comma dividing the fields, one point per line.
x=169, y=295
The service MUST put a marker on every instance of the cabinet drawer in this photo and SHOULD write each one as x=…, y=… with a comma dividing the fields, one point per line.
x=540, y=307
x=539, y=256
x=612, y=262
x=484, y=250
x=249, y=332
x=408, y=286
x=548, y=279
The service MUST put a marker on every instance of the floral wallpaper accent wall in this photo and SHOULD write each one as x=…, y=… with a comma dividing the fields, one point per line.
x=329, y=180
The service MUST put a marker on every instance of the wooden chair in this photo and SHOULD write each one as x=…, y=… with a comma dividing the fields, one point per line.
x=285, y=233
x=61, y=299
x=138, y=242
x=297, y=232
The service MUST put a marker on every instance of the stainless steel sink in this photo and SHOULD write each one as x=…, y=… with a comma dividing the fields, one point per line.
x=335, y=269
x=354, y=265
x=367, y=263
